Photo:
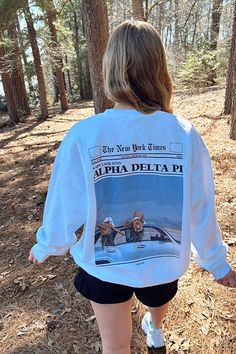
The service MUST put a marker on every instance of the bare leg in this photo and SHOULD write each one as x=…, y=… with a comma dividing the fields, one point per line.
x=115, y=326
x=158, y=314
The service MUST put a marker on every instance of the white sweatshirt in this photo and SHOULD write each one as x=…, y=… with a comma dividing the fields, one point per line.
x=142, y=186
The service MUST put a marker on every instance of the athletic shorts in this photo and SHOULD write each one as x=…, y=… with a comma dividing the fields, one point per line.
x=103, y=292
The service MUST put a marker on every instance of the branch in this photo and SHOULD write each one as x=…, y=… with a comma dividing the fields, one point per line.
x=155, y=4
x=190, y=13
x=65, y=2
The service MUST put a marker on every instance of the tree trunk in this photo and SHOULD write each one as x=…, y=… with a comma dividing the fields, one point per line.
x=231, y=70
x=146, y=9
x=51, y=16
x=195, y=30
x=215, y=23
x=233, y=84
x=233, y=121
x=161, y=18
x=55, y=86
x=78, y=71
x=37, y=63
x=86, y=85
x=8, y=88
x=177, y=29
x=96, y=31
x=68, y=79
x=138, y=10
x=24, y=57
x=17, y=73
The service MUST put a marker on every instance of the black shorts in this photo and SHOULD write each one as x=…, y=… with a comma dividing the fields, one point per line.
x=103, y=292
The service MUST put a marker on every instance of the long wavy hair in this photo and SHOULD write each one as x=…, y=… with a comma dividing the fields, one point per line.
x=135, y=69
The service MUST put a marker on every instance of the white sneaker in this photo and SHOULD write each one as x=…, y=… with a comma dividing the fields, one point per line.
x=155, y=336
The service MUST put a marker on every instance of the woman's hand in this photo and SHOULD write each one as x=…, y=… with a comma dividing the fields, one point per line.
x=229, y=279
x=33, y=259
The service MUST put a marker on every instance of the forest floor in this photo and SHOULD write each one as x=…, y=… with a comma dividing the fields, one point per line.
x=40, y=309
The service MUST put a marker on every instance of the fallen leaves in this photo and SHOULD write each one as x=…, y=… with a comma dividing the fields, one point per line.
x=91, y=318
x=178, y=343
x=28, y=328
x=21, y=284
x=231, y=241
x=45, y=277
x=191, y=326
x=3, y=274
x=97, y=346
x=228, y=316
x=51, y=325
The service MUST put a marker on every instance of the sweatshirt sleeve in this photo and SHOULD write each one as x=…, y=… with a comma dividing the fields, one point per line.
x=65, y=206
x=209, y=250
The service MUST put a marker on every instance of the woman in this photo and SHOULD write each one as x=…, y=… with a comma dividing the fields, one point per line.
x=135, y=159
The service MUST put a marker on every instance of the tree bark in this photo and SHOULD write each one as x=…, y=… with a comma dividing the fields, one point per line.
x=86, y=85
x=161, y=18
x=233, y=84
x=177, y=29
x=79, y=59
x=17, y=73
x=68, y=79
x=96, y=31
x=37, y=63
x=8, y=88
x=146, y=9
x=138, y=10
x=231, y=70
x=233, y=121
x=215, y=23
x=24, y=57
x=55, y=87
x=51, y=17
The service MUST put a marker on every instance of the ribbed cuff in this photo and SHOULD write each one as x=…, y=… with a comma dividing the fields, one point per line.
x=221, y=270
x=39, y=253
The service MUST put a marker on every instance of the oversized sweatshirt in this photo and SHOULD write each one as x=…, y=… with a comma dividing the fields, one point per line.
x=142, y=187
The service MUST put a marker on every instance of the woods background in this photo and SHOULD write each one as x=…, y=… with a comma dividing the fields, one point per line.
x=50, y=70
x=51, y=51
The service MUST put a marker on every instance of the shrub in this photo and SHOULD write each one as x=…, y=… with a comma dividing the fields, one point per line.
x=199, y=68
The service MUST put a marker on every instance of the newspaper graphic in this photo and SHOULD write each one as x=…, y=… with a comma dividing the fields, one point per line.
x=139, y=195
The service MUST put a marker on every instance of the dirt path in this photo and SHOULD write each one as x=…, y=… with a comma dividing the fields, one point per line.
x=40, y=310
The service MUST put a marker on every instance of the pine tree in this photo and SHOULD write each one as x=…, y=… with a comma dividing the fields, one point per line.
x=215, y=23
x=51, y=18
x=37, y=62
x=12, y=68
x=96, y=31
x=231, y=69
x=8, y=87
x=138, y=10
x=17, y=73
x=232, y=76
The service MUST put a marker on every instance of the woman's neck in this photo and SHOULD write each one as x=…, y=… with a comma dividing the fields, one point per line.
x=120, y=105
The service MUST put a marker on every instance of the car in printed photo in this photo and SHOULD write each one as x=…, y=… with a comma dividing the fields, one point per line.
x=155, y=242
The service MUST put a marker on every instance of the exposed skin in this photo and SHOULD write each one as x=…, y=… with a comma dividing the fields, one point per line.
x=229, y=280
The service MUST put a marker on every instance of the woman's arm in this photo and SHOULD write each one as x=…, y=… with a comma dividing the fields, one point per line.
x=209, y=250
x=65, y=207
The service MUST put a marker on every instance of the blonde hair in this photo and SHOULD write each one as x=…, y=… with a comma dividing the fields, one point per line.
x=135, y=69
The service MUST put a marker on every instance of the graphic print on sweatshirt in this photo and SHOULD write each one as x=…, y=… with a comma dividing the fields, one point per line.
x=139, y=196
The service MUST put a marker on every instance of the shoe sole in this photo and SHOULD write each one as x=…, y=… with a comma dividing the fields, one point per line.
x=154, y=350
x=161, y=350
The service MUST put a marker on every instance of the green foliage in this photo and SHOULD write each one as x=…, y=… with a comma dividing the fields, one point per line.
x=199, y=68
x=223, y=59
x=9, y=9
